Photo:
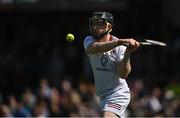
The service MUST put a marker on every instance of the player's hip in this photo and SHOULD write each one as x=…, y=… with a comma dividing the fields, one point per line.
x=116, y=102
x=119, y=95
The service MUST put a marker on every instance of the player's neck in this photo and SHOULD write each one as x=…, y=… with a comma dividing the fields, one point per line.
x=105, y=38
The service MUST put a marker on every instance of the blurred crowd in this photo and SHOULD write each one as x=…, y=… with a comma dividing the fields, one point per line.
x=43, y=75
x=63, y=100
x=50, y=100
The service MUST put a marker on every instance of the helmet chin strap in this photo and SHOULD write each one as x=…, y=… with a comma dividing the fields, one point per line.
x=102, y=34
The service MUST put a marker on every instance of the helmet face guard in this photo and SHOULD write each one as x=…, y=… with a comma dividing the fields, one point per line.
x=97, y=26
x=98, y=23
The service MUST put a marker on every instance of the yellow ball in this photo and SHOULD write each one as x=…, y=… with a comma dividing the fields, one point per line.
x=70, y=37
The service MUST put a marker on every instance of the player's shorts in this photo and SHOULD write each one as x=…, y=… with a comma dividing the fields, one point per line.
x=116, y=102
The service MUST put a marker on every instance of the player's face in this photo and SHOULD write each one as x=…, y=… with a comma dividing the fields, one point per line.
x=97, y=23
x=98, y=26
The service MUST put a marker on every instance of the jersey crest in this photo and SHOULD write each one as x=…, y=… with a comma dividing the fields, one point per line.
x=104, y=60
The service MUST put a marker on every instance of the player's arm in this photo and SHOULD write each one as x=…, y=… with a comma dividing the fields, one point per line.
x=124, y=66
x=98, y=47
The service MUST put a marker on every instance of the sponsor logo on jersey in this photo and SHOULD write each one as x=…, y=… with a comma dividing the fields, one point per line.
x=104, y=65
x=104, y=60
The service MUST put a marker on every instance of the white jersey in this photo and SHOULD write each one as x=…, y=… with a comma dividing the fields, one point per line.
x=104, y=66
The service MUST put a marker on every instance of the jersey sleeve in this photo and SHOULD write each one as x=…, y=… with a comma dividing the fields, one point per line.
x=120, y=52
x=88, y=41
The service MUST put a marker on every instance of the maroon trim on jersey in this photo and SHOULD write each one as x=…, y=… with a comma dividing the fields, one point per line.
x=114, y=105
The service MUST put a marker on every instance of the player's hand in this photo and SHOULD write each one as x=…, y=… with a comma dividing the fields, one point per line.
x=133, y=45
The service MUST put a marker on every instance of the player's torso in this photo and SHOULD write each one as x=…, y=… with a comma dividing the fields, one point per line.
x=105, y=70
x=104, y=62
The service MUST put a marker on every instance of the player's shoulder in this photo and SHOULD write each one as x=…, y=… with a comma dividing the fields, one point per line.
x=88, y=40
x=89, y=37
x=114, y=37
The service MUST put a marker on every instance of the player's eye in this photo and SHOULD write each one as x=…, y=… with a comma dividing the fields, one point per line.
x=97, y=23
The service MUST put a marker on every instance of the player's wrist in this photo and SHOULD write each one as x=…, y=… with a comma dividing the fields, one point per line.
x=122, y=42
x=119, y=42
